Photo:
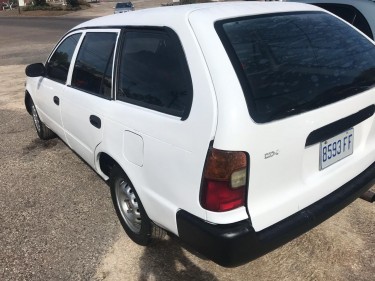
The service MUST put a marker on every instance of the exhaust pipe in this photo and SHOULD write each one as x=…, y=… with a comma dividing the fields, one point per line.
x=368, y=196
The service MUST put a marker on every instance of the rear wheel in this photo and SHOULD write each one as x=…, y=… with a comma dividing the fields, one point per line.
x=42, y=130
x=129, y=208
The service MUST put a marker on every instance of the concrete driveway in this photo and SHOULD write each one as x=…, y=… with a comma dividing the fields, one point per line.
x=57, y=220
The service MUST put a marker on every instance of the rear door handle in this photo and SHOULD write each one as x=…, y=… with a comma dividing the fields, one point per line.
x=56, y=100
x=95, y=121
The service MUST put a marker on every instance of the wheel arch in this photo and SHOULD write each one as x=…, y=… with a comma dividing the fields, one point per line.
x=28, y=101
x=106, y=164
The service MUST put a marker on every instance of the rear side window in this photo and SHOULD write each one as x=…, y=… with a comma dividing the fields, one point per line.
x=291, y=63
x=153, y=72
x=350, y=14
x=59, y=63
x=93, y=67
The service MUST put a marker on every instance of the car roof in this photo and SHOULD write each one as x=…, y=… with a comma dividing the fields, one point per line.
x=174, y=15
x=351, y=2
x=123, y=3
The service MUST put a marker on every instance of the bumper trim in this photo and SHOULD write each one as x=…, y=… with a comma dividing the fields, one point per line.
x=234, y=244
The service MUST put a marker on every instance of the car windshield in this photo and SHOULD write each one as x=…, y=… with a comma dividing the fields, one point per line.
x=294, y=62
x=124, y=5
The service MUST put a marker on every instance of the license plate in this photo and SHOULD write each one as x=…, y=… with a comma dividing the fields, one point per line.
x=336, y=148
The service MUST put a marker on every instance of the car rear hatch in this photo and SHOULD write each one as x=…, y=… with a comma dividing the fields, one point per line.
x=302, y=107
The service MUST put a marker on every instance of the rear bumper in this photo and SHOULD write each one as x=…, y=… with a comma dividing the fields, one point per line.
x=235, y=244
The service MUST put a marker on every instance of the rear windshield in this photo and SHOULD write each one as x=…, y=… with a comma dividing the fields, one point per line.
x=295, y=62
x=124, y=5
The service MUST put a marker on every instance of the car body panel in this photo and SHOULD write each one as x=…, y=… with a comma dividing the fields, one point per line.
x=48, y=110
x=77, y=111
x=167, y=153
x=275, y=194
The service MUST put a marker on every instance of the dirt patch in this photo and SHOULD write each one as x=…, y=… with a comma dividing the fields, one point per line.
x=342, y=248
x=37, y=145
x=12, y=81
x=56, y=214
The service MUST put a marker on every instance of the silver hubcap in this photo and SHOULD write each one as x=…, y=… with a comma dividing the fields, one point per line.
x=35, y=118
x=128, y=206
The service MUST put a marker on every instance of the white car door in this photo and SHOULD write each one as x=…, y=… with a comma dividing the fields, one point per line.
x=89, y=92
x=51, y=87
x=158, y=129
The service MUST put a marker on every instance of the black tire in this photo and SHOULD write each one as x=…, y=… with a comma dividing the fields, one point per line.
x=42, y=130
x=129, y=208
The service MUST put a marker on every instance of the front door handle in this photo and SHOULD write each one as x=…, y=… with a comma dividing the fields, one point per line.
x=56, y=100
x=95, y=121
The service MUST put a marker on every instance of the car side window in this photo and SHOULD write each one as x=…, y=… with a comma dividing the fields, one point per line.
x=349, y=14
x=59, y=63
x=93, y=66
x=153, y=72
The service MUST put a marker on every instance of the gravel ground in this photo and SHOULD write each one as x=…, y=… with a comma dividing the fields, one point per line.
x=56, y=219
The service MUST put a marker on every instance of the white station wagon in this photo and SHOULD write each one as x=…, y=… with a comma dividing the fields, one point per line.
x=236, y=126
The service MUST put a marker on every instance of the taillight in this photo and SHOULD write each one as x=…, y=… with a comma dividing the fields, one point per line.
x=224, y=180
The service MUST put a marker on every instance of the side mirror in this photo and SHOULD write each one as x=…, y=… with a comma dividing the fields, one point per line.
x=35, y=70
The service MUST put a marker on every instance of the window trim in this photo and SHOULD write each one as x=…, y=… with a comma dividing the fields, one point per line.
x=66, y=36
x=174, y=37
x=75, y=55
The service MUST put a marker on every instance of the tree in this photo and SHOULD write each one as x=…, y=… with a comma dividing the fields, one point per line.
x=40, y=3
x=72, y=3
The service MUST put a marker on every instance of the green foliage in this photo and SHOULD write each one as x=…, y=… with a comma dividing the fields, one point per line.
x=72, y=3
x=40, y=3
x=42, y=8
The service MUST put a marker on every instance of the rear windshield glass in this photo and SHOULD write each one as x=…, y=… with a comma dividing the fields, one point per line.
x=292, y=63
x=124, y=5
